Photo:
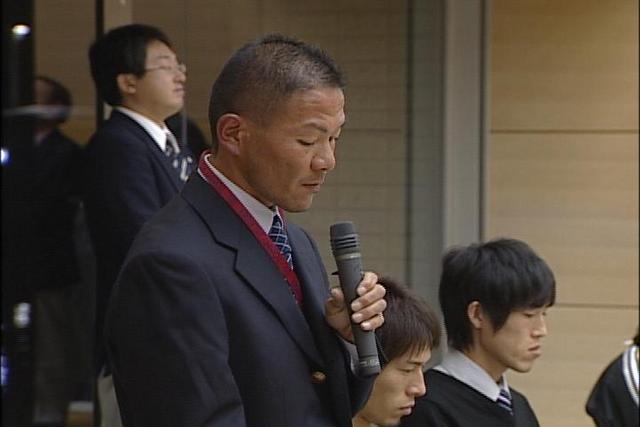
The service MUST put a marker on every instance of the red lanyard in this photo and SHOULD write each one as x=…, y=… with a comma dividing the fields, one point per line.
x=204, y=168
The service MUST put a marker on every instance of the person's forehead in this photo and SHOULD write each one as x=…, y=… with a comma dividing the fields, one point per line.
x=415, y=356
x=310, y=99
x=158, y=50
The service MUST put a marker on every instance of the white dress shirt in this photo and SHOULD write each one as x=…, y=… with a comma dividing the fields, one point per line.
x=261, y=213
x=457, y=365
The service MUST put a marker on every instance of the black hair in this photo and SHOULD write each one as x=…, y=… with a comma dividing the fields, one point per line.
x=122, y=50
x=503, y=275
x=58, y=95
x=264, y=72
x=410, y=324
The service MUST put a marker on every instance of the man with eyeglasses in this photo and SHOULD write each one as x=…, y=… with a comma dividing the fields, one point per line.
x=135, y=164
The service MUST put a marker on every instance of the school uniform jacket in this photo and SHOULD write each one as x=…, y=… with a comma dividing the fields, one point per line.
x=452, y=403
x=128, y=179
x=613, y=401
x=202, y=329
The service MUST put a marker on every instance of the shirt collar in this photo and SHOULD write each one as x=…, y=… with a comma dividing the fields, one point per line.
x=261, y=213
x=156, y=132
x=457, y=365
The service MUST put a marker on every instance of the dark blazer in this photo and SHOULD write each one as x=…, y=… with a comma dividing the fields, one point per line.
x=56, y=196
x=452, y=403
x=610, y=402
x=202, y=329
x=128, y=179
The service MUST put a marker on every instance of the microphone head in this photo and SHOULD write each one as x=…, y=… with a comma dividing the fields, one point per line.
x=344, y=238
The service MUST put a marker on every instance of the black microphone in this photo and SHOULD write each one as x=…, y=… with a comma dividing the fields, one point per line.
x=345, y=245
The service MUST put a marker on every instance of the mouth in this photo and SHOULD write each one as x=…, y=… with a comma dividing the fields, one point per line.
x=406, y=410
x=313, y=186
x=536, y=350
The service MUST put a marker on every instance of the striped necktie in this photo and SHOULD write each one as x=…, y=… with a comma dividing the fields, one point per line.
x=279, y=237
x=180, y=161
x=504, y=400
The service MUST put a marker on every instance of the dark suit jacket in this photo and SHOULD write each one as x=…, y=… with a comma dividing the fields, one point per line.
x=128, y=179
x=202, y=329
x=56, y=197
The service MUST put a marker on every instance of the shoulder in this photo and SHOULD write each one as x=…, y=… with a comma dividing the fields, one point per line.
x=522, y=409
x=445, y=382
x=296, y=232
x=442, y=405
x=119, y=130
x=441, y=388
x=62, y=141
x=611, y=375
x=175, y=226
x=450, y=402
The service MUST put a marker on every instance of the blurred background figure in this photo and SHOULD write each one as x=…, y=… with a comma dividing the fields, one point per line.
x=614, y=398
x=60, y=344
x=410, y=331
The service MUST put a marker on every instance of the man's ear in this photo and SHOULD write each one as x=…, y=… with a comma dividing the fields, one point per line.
x=476, y=314
x=231, y=130
x=127, y=83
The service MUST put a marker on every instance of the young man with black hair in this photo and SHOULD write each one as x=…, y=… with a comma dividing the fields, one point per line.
x=494, y=298
x=135, y=164
x=410, y=331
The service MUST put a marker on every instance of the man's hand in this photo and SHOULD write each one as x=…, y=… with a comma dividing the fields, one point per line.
x=367, y=308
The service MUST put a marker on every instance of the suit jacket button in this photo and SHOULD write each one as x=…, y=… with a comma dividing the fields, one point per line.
x=318, y=377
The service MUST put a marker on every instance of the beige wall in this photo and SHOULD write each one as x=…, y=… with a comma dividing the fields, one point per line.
x=562, y=174
x=368, y=39
x=64, y=29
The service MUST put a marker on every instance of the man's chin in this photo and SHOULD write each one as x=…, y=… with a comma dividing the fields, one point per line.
x=297, y=206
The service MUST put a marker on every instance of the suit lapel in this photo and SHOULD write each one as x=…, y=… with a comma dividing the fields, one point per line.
x=157, y=154
x=310, y=271
x=253, y=263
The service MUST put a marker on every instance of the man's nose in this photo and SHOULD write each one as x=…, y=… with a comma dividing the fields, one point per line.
x=325, y=159
x=418, y=387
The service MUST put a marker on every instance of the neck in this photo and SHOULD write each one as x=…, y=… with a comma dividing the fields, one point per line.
x=358, y=421
x=229, y=169
x=491, y=366
x=148, y=113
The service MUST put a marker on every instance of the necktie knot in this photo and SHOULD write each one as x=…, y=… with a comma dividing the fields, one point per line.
x=279, y=237
x=180, y=161
x=171, y=146
x=504, y=400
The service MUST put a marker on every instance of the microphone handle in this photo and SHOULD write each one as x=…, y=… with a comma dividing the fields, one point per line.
x=350, y=274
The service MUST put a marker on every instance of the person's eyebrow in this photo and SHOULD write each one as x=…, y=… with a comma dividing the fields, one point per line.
x=164, y=56
x=320, y=127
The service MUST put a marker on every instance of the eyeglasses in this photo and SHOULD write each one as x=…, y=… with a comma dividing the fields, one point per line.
x=176, y=68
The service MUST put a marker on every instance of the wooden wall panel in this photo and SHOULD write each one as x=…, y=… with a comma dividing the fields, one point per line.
x=570, y=64
x=580, y=344
x=64, y=29
x=562, y=174
x=574, y=197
